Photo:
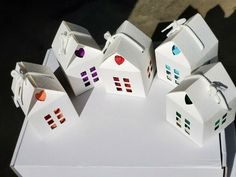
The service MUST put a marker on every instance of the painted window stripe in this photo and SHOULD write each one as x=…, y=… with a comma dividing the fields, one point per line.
x=96, y=79
x=168, y=67
x=126, y=79
x=176, y=71
x=116, y=79
x=92, y=69
x=87, y=84
x=47, y=117
x=83, y=73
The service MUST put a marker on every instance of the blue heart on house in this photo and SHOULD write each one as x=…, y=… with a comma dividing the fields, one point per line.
x=175, y=50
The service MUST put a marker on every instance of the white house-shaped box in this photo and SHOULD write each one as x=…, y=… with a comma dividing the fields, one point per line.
x=79, y=56
x=128, y=64
x=42, y=98
x=188, y=46
x=203, y=104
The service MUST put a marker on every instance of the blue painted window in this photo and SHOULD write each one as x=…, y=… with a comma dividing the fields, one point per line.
x=176, y=71
x=168, y=67
x=175, y=50
x=169, y=74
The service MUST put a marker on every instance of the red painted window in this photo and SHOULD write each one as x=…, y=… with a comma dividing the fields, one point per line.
x=53, y=126
x=126, y=79
x=125, y=82
x=117, y=84
x=149, y=69
x=47, y=117
x=51, y=122
x=116, y=79
x=127, y=85
x=118, y=89
x=128, y=90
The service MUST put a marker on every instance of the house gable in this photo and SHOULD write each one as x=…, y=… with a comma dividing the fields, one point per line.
x=91, y=57
x=51, y=96
x=195, y=40
x=130, y=52
x=179, y=99
x=70, y=41
x=173, y=52
x=110, y=63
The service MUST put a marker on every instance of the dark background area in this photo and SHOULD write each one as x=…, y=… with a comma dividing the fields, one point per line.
x=28, y=28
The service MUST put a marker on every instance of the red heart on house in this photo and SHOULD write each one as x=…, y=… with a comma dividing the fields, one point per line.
x=41, y=96
x=119, y=59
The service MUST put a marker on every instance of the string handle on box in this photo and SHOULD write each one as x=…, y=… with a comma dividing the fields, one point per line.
x=216, y=89
x=64, y=40
x=20, y=80
x=110, y=38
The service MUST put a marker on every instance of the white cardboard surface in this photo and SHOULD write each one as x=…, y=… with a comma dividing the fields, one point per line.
x=118, y=136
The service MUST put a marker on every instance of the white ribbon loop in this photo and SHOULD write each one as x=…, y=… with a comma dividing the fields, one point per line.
x=175, y=26
x=111, y=38
x=64, y=39
x=216, y=89
x=20, y=81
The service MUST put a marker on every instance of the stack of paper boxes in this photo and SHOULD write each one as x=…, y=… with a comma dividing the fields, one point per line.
x=201, y=104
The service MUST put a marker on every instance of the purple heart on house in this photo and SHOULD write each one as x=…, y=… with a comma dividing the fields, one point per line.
x=80, y=52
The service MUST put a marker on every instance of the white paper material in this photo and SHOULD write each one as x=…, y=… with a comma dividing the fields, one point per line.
x=203, y=104
x=43, y=100
x=78, y=55
x=128, y=66
x=118, y=136
x=189, y=45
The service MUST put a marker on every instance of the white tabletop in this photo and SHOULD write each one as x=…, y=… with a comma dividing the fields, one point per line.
x=119, y=132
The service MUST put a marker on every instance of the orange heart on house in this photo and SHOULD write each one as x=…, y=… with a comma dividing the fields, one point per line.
x=41, y=96
x=119, y=59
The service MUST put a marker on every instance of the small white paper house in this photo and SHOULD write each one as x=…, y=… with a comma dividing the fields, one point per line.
x=42, y=98
x=79, y=56
x=128, y=66
x=189, y=45
x=203, y=104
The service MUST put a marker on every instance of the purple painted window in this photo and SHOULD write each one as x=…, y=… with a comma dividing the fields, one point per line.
x=87, y=84
x=94, y=74
x=96, y=79
x=83, y=73
x=92, y=69
x=85, y=79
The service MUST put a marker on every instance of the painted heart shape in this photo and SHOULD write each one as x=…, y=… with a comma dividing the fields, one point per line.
x=41, y=96
x=119, y=59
